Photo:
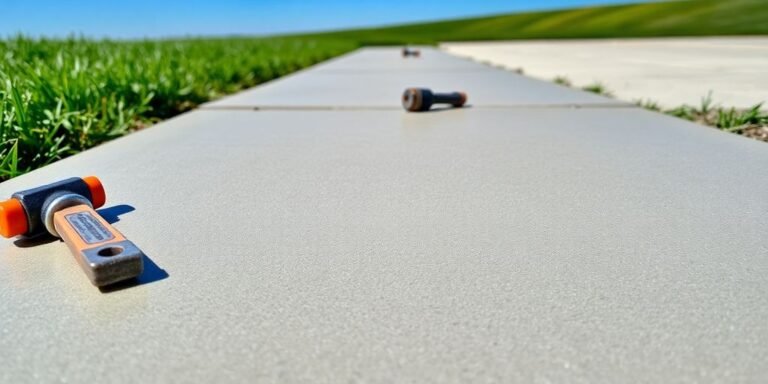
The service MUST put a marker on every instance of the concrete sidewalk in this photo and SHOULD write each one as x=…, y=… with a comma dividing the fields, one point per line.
x=374, y=78
x=515, y=241
x=670, y=71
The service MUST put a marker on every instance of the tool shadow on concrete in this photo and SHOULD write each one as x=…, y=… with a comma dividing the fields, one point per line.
x=446, y=108
x=151, y=273
x=112, y=214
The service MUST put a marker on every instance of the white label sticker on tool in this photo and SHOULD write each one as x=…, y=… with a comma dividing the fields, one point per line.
x=89, y=228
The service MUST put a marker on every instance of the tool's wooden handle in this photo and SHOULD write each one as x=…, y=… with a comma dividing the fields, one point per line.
x=103, y=252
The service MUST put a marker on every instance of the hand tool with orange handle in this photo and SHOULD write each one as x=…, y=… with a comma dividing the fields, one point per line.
x=421, y=99
x=65, y=209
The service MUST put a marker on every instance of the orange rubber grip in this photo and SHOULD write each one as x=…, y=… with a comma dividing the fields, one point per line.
x=13, y=218
x=98, y=195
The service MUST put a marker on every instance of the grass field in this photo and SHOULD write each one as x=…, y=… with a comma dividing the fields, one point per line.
x=60, y=97
x=676, y=18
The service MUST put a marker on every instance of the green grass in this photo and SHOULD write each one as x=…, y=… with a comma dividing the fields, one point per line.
x=596, y=88
x=59, y=97
x=751, y=122
x=676, y=18
x=562, y=80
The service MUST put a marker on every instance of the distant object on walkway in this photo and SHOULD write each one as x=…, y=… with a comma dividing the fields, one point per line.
x=411, y=52
x=421, y=99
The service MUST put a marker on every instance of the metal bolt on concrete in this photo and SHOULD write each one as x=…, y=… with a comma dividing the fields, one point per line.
x=509, y=244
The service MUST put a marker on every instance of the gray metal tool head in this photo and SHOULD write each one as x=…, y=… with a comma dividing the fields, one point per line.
x=28, y=212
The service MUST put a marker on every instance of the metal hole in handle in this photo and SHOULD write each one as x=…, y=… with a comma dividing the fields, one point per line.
x=110, y=251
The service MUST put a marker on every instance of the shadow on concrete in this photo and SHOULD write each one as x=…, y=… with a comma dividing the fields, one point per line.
x=446, y=108
x=152, y=272
x=28, y=242
x=112, y=214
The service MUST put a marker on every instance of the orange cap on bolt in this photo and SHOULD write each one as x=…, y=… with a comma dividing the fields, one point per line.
x=13, y=218
x=98, y=196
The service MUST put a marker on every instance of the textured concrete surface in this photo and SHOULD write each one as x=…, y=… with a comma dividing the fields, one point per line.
x=378, y=59
x=336, y=85
x=473, y=245
x=670, y=71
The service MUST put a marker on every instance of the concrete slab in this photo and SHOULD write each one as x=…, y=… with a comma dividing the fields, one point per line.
x=475, y=245
x=389, y=59
x=486, y=87
x=670, y=71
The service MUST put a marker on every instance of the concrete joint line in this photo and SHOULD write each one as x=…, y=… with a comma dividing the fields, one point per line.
x=288, y=108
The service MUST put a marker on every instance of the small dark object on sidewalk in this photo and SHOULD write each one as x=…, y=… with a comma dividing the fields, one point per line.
x=421, y=99
x=411, y=52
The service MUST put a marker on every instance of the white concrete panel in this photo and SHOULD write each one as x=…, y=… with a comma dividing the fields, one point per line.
x=474, y=245
x=670, y=71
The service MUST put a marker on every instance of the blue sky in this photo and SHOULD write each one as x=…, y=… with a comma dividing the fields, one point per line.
x=163, y=18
